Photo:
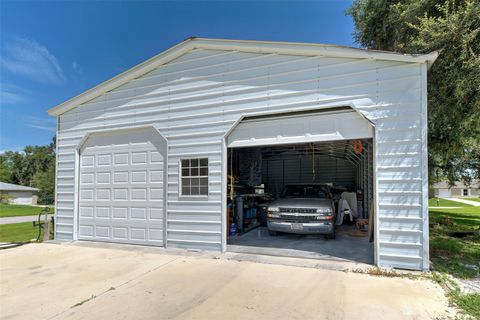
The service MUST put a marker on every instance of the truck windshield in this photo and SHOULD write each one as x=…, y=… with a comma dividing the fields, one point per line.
x=305, y=192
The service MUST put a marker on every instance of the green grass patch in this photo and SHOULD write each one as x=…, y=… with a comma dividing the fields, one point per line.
x=459, y=257
x=468, y=302
x=20, y=232
x=473, y=199
x=15, y=210
x=437, y=202
x=467, y=218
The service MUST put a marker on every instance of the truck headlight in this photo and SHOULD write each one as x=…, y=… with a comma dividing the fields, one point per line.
x=273, y=213
x=325, y=217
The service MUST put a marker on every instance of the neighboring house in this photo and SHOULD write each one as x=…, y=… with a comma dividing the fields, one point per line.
x=19, y=194
x=458, y=190
x=143, y=158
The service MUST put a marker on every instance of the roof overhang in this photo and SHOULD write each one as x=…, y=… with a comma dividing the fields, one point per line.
x=288, y=48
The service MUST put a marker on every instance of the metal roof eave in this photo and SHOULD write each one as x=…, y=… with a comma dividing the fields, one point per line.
x=290, y=48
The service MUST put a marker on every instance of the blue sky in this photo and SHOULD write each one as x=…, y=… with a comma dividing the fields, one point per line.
x=52, y=51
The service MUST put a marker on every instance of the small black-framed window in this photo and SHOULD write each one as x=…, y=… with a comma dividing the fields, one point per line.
x=194, y=177
x=465, y=192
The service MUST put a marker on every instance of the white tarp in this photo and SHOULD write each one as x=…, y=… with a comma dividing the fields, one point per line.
x=348, y=201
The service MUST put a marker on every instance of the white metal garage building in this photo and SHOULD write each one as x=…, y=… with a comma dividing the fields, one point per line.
x=142, y=158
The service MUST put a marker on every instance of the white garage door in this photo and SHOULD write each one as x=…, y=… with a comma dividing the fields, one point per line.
x=343, y=124
x=121, y=191
x=444, y=193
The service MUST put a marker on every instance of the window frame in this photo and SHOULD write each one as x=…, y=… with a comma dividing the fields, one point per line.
x=180, y=177
x=463, y=192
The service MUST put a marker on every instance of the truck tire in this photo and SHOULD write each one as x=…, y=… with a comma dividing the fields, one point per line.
x=330, y=235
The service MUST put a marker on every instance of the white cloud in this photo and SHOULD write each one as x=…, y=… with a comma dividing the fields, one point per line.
x=11, y=94
x=10, y=148
x=26, y=57
x=47, y=124
x=76, y=68
x=4, y=151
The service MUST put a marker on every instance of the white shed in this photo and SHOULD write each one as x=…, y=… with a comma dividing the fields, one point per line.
x=19, y=194
x=144, y=157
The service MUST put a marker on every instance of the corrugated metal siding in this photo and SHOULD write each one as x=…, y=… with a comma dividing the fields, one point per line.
x=196, y=98
x=285, y=170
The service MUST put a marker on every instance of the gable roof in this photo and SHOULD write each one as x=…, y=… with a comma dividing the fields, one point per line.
x=289, y=48
x=15, y=187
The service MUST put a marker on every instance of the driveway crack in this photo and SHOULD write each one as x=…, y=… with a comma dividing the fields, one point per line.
x=93, y=297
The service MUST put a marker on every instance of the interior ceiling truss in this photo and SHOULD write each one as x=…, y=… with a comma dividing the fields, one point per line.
x=343, y=149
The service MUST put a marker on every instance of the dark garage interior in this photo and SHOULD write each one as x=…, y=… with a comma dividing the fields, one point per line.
x=337, y=172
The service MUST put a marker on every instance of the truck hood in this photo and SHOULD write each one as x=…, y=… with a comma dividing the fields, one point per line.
x=301, y=203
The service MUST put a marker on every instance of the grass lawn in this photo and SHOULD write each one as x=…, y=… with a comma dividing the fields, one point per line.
x=437, y=202
x=469, y=303
x=19, y=232
x=15, y=210
x=473, y=199
x=459, y=257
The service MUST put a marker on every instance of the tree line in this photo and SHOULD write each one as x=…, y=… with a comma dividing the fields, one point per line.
x=32, y=167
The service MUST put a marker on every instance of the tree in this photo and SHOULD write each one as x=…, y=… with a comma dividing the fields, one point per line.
x=45, y=181
x=5, y=169
x=34, y=167
x=452, y=28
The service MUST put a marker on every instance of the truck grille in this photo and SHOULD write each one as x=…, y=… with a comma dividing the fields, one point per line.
x=298, y=218
x=298, y=210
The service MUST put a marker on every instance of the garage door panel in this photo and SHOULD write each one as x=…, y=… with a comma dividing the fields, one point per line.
x=123, y=234
x=87, y=161
x=117, y=168
x=86, y=230
x=121, y=159
x=138, y=213
x=314, y=127
x=86, y=194
x=138, y=223
x=103, y=177
x=102, y=212
x=86, y=211
x=121, y=196
x=444, y=193
x=139, y=176
x=87, y=178
x=118, y=204
x=119, y=212
x=138, y=234
x=120, y=233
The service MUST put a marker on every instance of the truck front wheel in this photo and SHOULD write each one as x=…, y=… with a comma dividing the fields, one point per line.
x=330, y=235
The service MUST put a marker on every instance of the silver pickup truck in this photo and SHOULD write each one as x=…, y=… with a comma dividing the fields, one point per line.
x=303, y=209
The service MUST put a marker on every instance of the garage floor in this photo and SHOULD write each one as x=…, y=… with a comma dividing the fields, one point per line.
x=50, y=281
x=344, y=247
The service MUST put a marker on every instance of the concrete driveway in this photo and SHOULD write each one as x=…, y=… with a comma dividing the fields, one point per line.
x=51, y=281
x=466, y=201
